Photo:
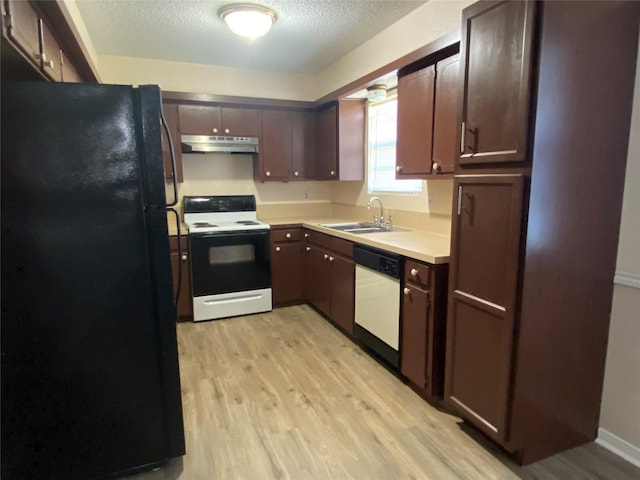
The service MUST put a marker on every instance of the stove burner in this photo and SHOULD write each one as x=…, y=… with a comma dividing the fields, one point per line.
x=203, y=224
x=247, y=222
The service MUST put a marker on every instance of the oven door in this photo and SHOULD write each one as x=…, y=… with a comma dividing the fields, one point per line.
x=229, y=262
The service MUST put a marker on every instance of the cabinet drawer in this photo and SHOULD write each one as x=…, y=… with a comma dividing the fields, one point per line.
x=317, y=238
x=286, y=235
x=341, y=246
x=416, y=272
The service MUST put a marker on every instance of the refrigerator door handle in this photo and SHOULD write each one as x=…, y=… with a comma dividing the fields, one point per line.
x=173, y=162
x=179, y=254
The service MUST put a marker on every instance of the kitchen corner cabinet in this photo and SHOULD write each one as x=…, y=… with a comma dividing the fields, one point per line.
x=423, y=326
x=497, y=40
x=427, y=108
x=340, y=141
x=218, y=120
x=286, y=265
x=287, y=146
x=329, y=277
x=170, y=112
x=184, y=306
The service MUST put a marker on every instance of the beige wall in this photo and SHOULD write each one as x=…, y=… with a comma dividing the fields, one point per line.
x=620, y=414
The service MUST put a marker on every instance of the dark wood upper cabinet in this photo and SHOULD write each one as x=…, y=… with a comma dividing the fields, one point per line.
x=340, y=141
x=415, y=122
x=275, y=145
x=216, y=120
x=445, y=125
x=497, y=54
x=23, y=27
x=170, y=112
x=51, y=63
x=69, y=72
x=483, y=283
x=303, y=144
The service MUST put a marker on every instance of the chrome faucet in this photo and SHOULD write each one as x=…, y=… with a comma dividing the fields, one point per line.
x=377, y=222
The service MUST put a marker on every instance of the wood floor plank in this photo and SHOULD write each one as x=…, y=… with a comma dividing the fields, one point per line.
x=285, y=395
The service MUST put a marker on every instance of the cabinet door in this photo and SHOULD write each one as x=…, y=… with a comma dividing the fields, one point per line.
x=485, y=250
x=321, y=279
x=170, y=112
x=69, y=72
x=303, y=144
x=343, y=278
x=415, y=123
x=308, y=275
x=200, y=120
x=327, y=159
x=240, y=122
x=496, y=50
x=23, y=28
x=275, y=145
x=351, y=130
x=286, y=273
x=445, y=126
x=51, y=62
x=415, y=328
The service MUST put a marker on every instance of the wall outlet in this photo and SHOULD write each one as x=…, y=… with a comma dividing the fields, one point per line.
x=430, y=200
x=306, y=195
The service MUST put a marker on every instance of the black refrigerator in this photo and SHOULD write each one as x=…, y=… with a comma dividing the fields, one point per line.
x=90, y=378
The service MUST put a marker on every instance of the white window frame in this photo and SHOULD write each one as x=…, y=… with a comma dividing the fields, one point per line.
x=381, y=161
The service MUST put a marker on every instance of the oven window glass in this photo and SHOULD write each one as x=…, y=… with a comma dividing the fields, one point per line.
x=231, y=254
x=229, y=262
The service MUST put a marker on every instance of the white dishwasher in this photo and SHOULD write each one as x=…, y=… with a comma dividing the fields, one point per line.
x=377, y=310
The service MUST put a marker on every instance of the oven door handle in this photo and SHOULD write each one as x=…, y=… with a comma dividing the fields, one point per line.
x=234, y=233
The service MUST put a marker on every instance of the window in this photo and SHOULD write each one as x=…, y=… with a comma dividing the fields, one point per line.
x=382, y=150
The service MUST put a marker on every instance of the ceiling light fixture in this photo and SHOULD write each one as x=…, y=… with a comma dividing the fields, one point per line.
x=376, y=92
x=248, y=20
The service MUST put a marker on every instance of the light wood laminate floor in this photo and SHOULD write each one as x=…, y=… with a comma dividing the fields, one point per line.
x=284, y=395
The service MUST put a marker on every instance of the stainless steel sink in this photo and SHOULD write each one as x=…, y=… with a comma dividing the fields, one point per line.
x=361, y=227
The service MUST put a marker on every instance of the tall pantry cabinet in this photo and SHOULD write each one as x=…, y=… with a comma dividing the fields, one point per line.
x=543, y=131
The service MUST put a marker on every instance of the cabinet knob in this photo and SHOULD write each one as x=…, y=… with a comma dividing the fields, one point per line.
x=435, y=167
x=267, y=173
x=398, y=168
x=306, y=235
x=414, y=272
x=331, y=259
x=184, y=257
x=296, y=174
x=308, y=249
x=326, y=256
x=277, y=249
x=406, y=291
x=48, y=63
x=288, y=235
x=226, y=130
x=333, y=173
x=214, y=130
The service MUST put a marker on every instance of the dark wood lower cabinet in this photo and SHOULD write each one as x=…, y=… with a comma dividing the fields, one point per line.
x=180, y=260
x=286, y=265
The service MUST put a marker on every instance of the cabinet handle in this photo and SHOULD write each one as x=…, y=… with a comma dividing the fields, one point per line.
x=308, y=249
x=184, y=257
x=462, y=131
x=331, y=259
x=398, y=168
x=214, y=130
x=306, y=235
x=414, y=272
x=267, y=173
x=288, y=235
x=226, y=130
x=333, y=173
x=296, y=174
x=277, y=249
x=406, y=291
x=435, y=167
x=326, y=256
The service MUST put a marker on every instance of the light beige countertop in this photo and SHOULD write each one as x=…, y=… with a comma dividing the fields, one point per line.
x=419, y=244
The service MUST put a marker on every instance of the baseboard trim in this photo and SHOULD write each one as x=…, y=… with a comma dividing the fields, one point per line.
x=628, y=279
x=619, y=446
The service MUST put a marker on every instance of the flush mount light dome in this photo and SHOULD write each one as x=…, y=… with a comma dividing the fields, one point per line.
x=376, y=92
x=248, y=20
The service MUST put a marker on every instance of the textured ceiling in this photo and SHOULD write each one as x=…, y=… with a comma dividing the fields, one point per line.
x=308, y=36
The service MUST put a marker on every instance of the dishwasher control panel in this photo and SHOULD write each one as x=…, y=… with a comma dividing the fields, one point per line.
x=389, y=266
x=379, y=260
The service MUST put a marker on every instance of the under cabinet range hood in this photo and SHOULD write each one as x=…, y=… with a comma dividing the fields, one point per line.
x=208, y=144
